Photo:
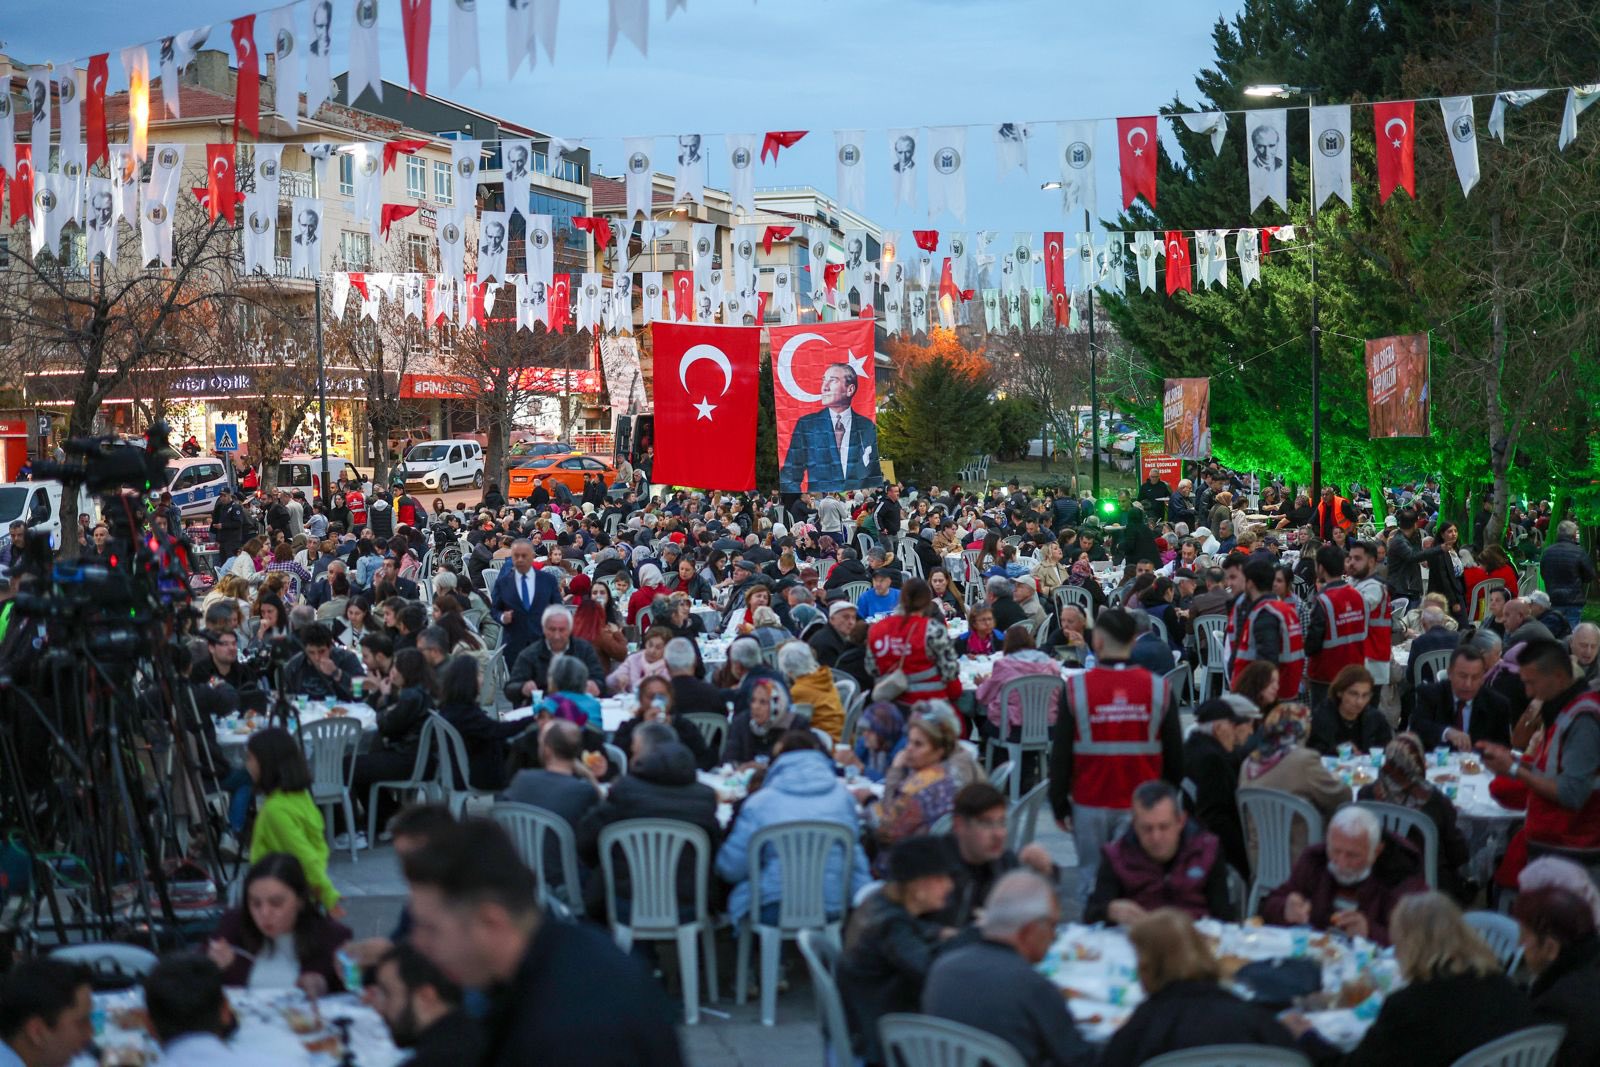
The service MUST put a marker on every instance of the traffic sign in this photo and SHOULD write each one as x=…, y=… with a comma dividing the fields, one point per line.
x=227, y=437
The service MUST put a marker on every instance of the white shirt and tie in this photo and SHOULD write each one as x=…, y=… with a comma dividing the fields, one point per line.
x=525, y=588
x=841, y=437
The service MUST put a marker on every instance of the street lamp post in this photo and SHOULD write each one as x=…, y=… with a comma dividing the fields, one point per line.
x=322, y=396
x=1309, y=92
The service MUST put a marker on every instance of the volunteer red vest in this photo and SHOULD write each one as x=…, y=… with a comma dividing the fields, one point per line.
x=1291, y=661
x=1345, y=644
x=1117, y=744
x=900, y=642
x=358, y=507
x=1380, y=625
x=1548, y=822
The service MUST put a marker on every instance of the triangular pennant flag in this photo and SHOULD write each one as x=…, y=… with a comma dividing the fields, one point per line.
x=392, y=213
x=775, y=140
x=1579, y=97
x=1136, y=146
x=774, y=233
x=903, y=165
x=927, y=240
x=1394, y=126
x=690, y=181
x=1078, y=169
x=1011, y=147
x=286, y=64
x=1247, y=245
x=319, y=55
x=1212, y=123
x=1517, y=98
x=416, y=19
x=364, y=62
x=94, y=108
x=136, y=62
x=1178, y=274
x=630, y=19
x=639, y=179
x=741, y=152
x=392, y=150
x=464, y=41
x=596, y=226
x=1269, y=172
x=947, y=180
x=221, y=184
x=247, y=87
x=1330, y=152
x=849, y=168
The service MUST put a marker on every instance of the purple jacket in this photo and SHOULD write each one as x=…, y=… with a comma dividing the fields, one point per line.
x=1397, y=872
x=1179, y=884
x=1017, y=665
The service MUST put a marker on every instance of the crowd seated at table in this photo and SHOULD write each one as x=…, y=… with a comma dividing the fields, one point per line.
x=709, y=639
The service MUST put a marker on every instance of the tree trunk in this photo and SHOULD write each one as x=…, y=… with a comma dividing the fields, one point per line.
x=1501, y=447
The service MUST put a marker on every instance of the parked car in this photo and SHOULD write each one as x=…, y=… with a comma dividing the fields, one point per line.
x=438, y=465
x=305, y=473
x=536, y=449
x=39, y=505
x=568, y=469
x=196, y=483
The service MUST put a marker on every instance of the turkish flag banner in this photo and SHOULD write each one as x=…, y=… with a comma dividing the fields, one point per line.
x=394, y=149
x=393, y=213
x=416, y=19
x=560, y=302
x=1394, y=126
x=1055, y=269
x=22, y=184
x=683, y=295
x=247, y=95
x=825, y=398
x=927, y=240
x=1136, y=145
x=94, y=108
x=222, y=191
x=706, y=390
x=1178, y=273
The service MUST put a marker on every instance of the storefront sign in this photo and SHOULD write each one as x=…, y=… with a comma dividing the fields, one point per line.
x=437, y=387
x=555, y=381
x=220, y=383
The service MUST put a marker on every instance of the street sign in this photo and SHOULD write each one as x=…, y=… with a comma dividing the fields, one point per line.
x=227, y=437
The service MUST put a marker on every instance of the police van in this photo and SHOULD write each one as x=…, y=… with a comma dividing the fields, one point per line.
x=196, y=483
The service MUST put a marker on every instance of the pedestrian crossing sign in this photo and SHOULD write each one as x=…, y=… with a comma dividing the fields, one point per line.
x=227, y=437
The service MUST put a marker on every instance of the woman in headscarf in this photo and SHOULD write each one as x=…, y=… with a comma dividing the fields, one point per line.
x=1403, y=780
x=1081, y=576
x=595, y=620
x=880, y=737
x=753, y=731
x=1282, y=761
x=651, y=586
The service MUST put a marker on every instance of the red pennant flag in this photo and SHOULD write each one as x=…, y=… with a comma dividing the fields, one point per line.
x=222, y=190
x=706, y=388
x=475, y=294
x=22, y=184
x=1267, y=232
x=560, y=302
x=247, y=93
x=431, y=311
x=927, y=240
x=202, y=193
x=392, y=150
x=830, y=278
x=761, y=306
x=947, y=284
x=596, y=226
x=1136, y=144
x=94, y=109
x=1062, y=308
x=393, y=213
x=776, y=139
x=1055, y=270
x=1178, y=273
x=358, y=282
x=812, y=453
x=774, y=233
x=1394, y=126
x=416, y=18
x=683, y=295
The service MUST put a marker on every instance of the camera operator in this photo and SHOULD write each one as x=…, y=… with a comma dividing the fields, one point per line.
x=222, y=664
x=320, y=670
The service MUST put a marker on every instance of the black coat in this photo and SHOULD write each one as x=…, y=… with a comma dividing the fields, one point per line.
x=1188, y=1015
x=533, y=665
x=886, y=958
x=742, y=745
x=1567, y=992
x=486, y=742
x=688, y=733
x=847, y=571
x=1436, y=1022
x=1566, y=569
x=453, y=1041
x=1213, y=773
x=1436, y=709
x=696, y=694
x=1370, y=731
x=400, y=722
x=1007, y=613
x=662, y=785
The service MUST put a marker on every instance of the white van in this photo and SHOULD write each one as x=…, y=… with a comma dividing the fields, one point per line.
x=196, y=483
x=39, y=505
x=439, y=465
x=305, y=473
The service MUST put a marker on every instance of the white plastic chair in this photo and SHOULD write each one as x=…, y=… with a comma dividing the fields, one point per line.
x=1001, y=774
x=652, y=848
x=802, y=851
x=1231, y=1056
x=1535, y=1046
x=1478, y=605
x=1159, y=628
x=1035, y=692
x=1501, y=933
x=926, y=1041
x=1210, y=636
x=528, y=824
x=1429, y=667
x=331, y=746
x=713, y=728
x=419, y=781
x=847, y=686
x=1180, y=682
x=454, y=770
x=617, y=756
x=822, y=956
x=1401, y=821
x=852, y=590
x=109, y=960
x=1022, y=821
x=971, y=556
x=1273, y=812
x=1078, y=597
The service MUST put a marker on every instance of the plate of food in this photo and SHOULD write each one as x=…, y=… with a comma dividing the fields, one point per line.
x=338, y=710
x=1470, y=765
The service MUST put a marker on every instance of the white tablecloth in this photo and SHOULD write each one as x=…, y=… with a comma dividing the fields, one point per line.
x=1096, y=969
x=265, y=1028
x=614, y=711
x=234, y=731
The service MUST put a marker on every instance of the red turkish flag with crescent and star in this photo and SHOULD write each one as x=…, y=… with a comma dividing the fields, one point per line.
x=1055, y=272
x=1394, y=126
x=683, y=295
x=22, y=184
x=1136, y=145
x=94, y=109
x=825, y=399
x=706, y=389
x=222, y=190
x=1178, y=274
x=247, y=94
x=560, y=302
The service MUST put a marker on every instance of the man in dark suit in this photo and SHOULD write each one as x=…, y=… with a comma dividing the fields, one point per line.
x=531, y=669
x=519, y=598
x=1458, y=710
x=832, y=449
x=390, y=573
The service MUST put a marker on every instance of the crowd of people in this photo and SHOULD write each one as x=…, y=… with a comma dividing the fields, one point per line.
x=819, y=644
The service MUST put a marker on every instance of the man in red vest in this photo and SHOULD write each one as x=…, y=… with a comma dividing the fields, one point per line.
x=1557, y=777
x=1336, y=633
x=1123, y=730
x=1268, y=629
x=1361, y=564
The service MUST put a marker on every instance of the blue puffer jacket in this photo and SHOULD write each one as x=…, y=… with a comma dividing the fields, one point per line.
x=800, y=786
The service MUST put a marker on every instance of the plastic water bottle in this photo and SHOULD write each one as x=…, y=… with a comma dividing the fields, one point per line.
x=1088, y=661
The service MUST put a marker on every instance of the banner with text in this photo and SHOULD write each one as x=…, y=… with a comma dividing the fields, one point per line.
x=1154, y=461
x=826, y=400
x=1186, y=418
x=1397, y=386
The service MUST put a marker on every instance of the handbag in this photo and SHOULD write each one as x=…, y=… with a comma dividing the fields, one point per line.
x=892, y=685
